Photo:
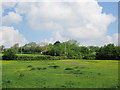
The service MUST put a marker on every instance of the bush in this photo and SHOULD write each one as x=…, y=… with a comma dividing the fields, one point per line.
x=9, y=54
x=69, y=69
x=46, y=57
x=89, y=56
x=54, y=67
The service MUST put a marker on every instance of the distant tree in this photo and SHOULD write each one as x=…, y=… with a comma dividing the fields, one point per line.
x=30, y=48
x=106, y=52
x=93, y=49
x=57, y=42
x=15, y=47
x=117, y=53
x=84, y=50
x=9, y=54
x=2, y=48
x=74, y=42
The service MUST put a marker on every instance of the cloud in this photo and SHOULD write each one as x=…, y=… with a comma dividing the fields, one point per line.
x=9, y=36
x=116, y=38
x=6, y=5
x=1, y=14
x=11, y=18
x=83, y=21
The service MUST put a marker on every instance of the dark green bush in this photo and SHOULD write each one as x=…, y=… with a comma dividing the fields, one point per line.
x=54, y=67
x=69, y=69
x=9, y=54
x=46, y=57
x=89, y=56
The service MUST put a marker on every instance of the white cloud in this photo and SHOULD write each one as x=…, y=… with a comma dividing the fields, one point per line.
x=6, y=5
x=59, y=0
x=9, y=36
x=83, y=21
x=116, y=38
x=11, y=18
x=57, y=37
x=1, y=14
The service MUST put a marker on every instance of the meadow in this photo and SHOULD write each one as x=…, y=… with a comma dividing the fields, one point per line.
x=60, y=74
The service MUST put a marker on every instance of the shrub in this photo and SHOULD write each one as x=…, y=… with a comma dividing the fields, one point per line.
x=43, y=68
x=76, y=72
x=89, y=56
x=29, y=66
x=9, y=54
x=21, y=75
x=54, y=67
x=33, y=68
x=8, y=81
x=69, y=69
x=46, y=57
x=39, y=68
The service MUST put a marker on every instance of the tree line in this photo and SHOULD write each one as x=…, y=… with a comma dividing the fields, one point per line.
x=69, y=50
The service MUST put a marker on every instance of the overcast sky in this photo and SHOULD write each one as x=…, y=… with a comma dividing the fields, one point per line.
x=89, y=22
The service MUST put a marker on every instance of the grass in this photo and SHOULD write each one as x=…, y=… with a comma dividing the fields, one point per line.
x=1, y=54
x=60, y=74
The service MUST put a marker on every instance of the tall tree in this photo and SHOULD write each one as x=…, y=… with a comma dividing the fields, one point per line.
x=106, y=52
x=15, y=47
x=2, y=48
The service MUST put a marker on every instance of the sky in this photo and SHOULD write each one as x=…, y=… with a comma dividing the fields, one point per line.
x=90, y=22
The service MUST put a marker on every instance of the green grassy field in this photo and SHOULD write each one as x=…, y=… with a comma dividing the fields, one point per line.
x=60, y=74
x=1, y=55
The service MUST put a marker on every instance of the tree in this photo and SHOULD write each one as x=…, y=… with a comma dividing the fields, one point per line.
x=15, y=47
x=84, y=50
x=2, y=48
x=31, y=48
x=57, y=42
x=75, y=42
x=117, y=53
x=93, y=49
x=9, y=54
x=56, y=49
x=106, y=52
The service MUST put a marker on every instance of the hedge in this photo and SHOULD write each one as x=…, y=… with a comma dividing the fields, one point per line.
x=39, y=57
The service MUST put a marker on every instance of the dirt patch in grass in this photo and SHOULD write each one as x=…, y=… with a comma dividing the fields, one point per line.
x=70, y=62
x=75, y=62
x=66, y=74
x=84, y=64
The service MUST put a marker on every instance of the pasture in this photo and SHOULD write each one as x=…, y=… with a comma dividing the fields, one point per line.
x=60, y=74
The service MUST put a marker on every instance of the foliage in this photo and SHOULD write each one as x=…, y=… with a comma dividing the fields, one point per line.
x=37, y=57
x=15, y=47
x=57, y=42
x=70, y=49
x=9, y=54
x=2, y=48
x=108, y=52
x=30, y=48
